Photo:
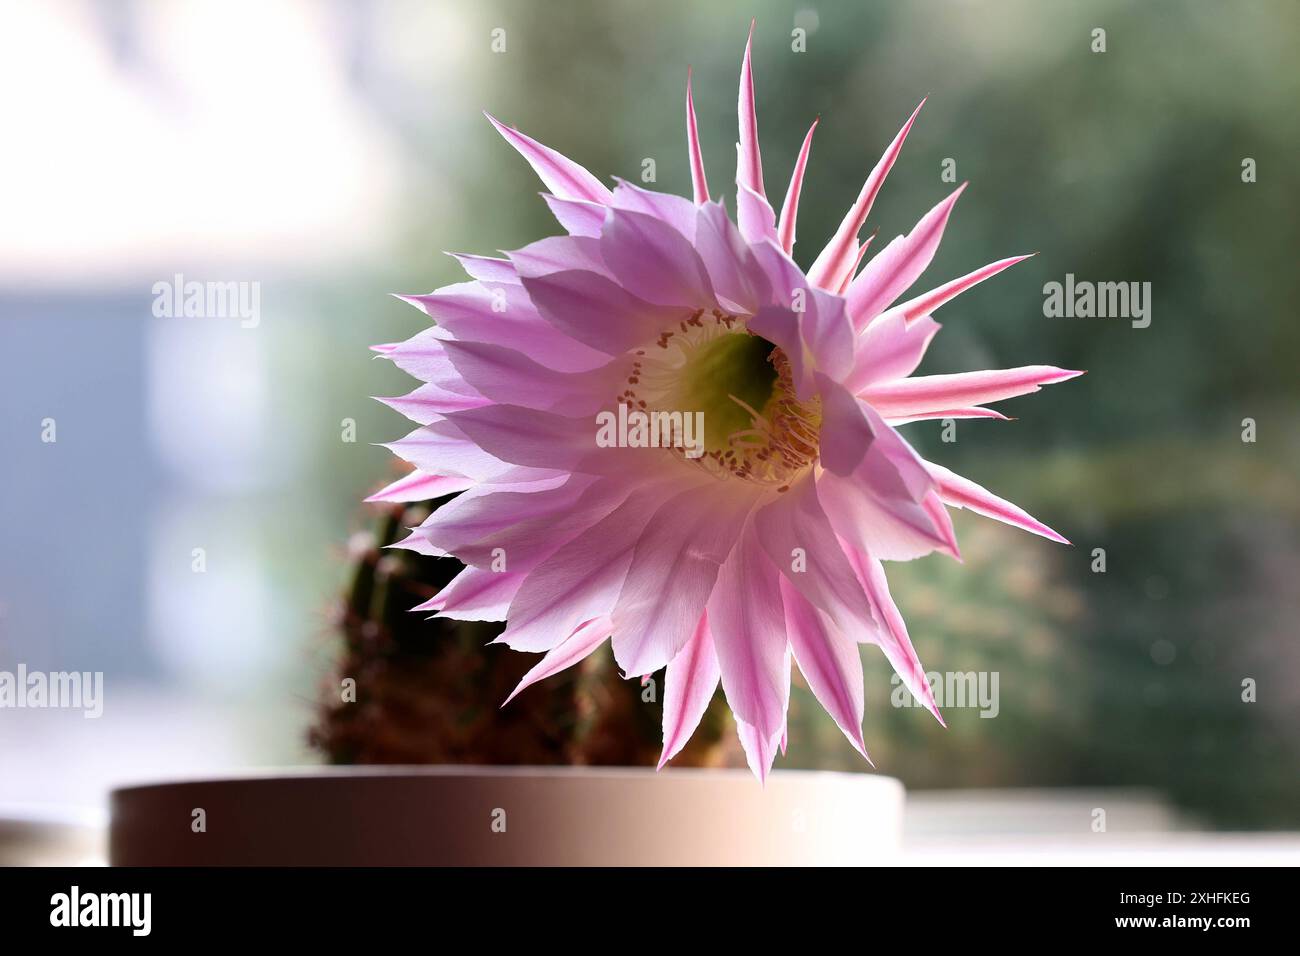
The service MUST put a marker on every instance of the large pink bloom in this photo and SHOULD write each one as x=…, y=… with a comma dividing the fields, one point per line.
x=766, y=547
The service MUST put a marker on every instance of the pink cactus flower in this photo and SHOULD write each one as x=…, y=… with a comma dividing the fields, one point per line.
x=724, y=553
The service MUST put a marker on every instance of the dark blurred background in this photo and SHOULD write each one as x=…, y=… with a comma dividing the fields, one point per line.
x=331, y=151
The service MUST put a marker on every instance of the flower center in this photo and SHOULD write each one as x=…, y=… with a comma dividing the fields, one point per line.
x=754, y=426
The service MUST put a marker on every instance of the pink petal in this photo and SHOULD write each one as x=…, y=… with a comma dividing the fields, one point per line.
x=418, y=486
x=790, y=208
x=873, y=486
x=488, y=508
x=672, y=573
x=689, y=685
x=429, y=403
x=699, y=184
x=898, y=529
x=890, y=348
x=734, y=272
x=510, y=521
x=754, y=216
x=486, y=268
x=583, y=578
x=475, y=594
x=837, y=259
x=794, y=525
x=561, y=175
x=961, y=492
x=748, y=626
x=854, y=438
x=577, y=216
x=927, y=302
x=504, y=375
x=442, y=448
x=558, y=254
x=811, y=326
x=749, y=172
x=568, y=652
x=423, y=356
x=598, y=312
x=893, y=638
x=857, y=261
x=506, y=315
x=974, y=411
x=418, y=544
x=678, y=212
x=942, y=521
x=829, y=662
x=787, y=281
x=909, y=397
x=899, y=264
x=653, y=261
x=828, y=332
x=760, y=750
x=539, y=439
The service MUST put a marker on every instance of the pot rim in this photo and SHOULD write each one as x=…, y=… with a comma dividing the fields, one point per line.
x=508, y=771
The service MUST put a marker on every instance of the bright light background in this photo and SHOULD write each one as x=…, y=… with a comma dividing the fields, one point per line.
x=330, y=151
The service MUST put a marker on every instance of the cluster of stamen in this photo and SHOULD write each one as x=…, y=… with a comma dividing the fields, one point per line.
x=781, y=439
x=781, y=443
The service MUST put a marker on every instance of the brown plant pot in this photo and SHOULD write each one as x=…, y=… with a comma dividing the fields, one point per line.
x=510, y=816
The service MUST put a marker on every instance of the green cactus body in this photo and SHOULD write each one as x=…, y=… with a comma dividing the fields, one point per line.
x=430, y=691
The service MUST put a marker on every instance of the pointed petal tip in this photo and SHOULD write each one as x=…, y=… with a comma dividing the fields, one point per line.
x=1051, y=534
x=699, y=181
x=413, y=300
x=860, y=745
x=785, y=227
x=749, y=167
x=836, y=262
